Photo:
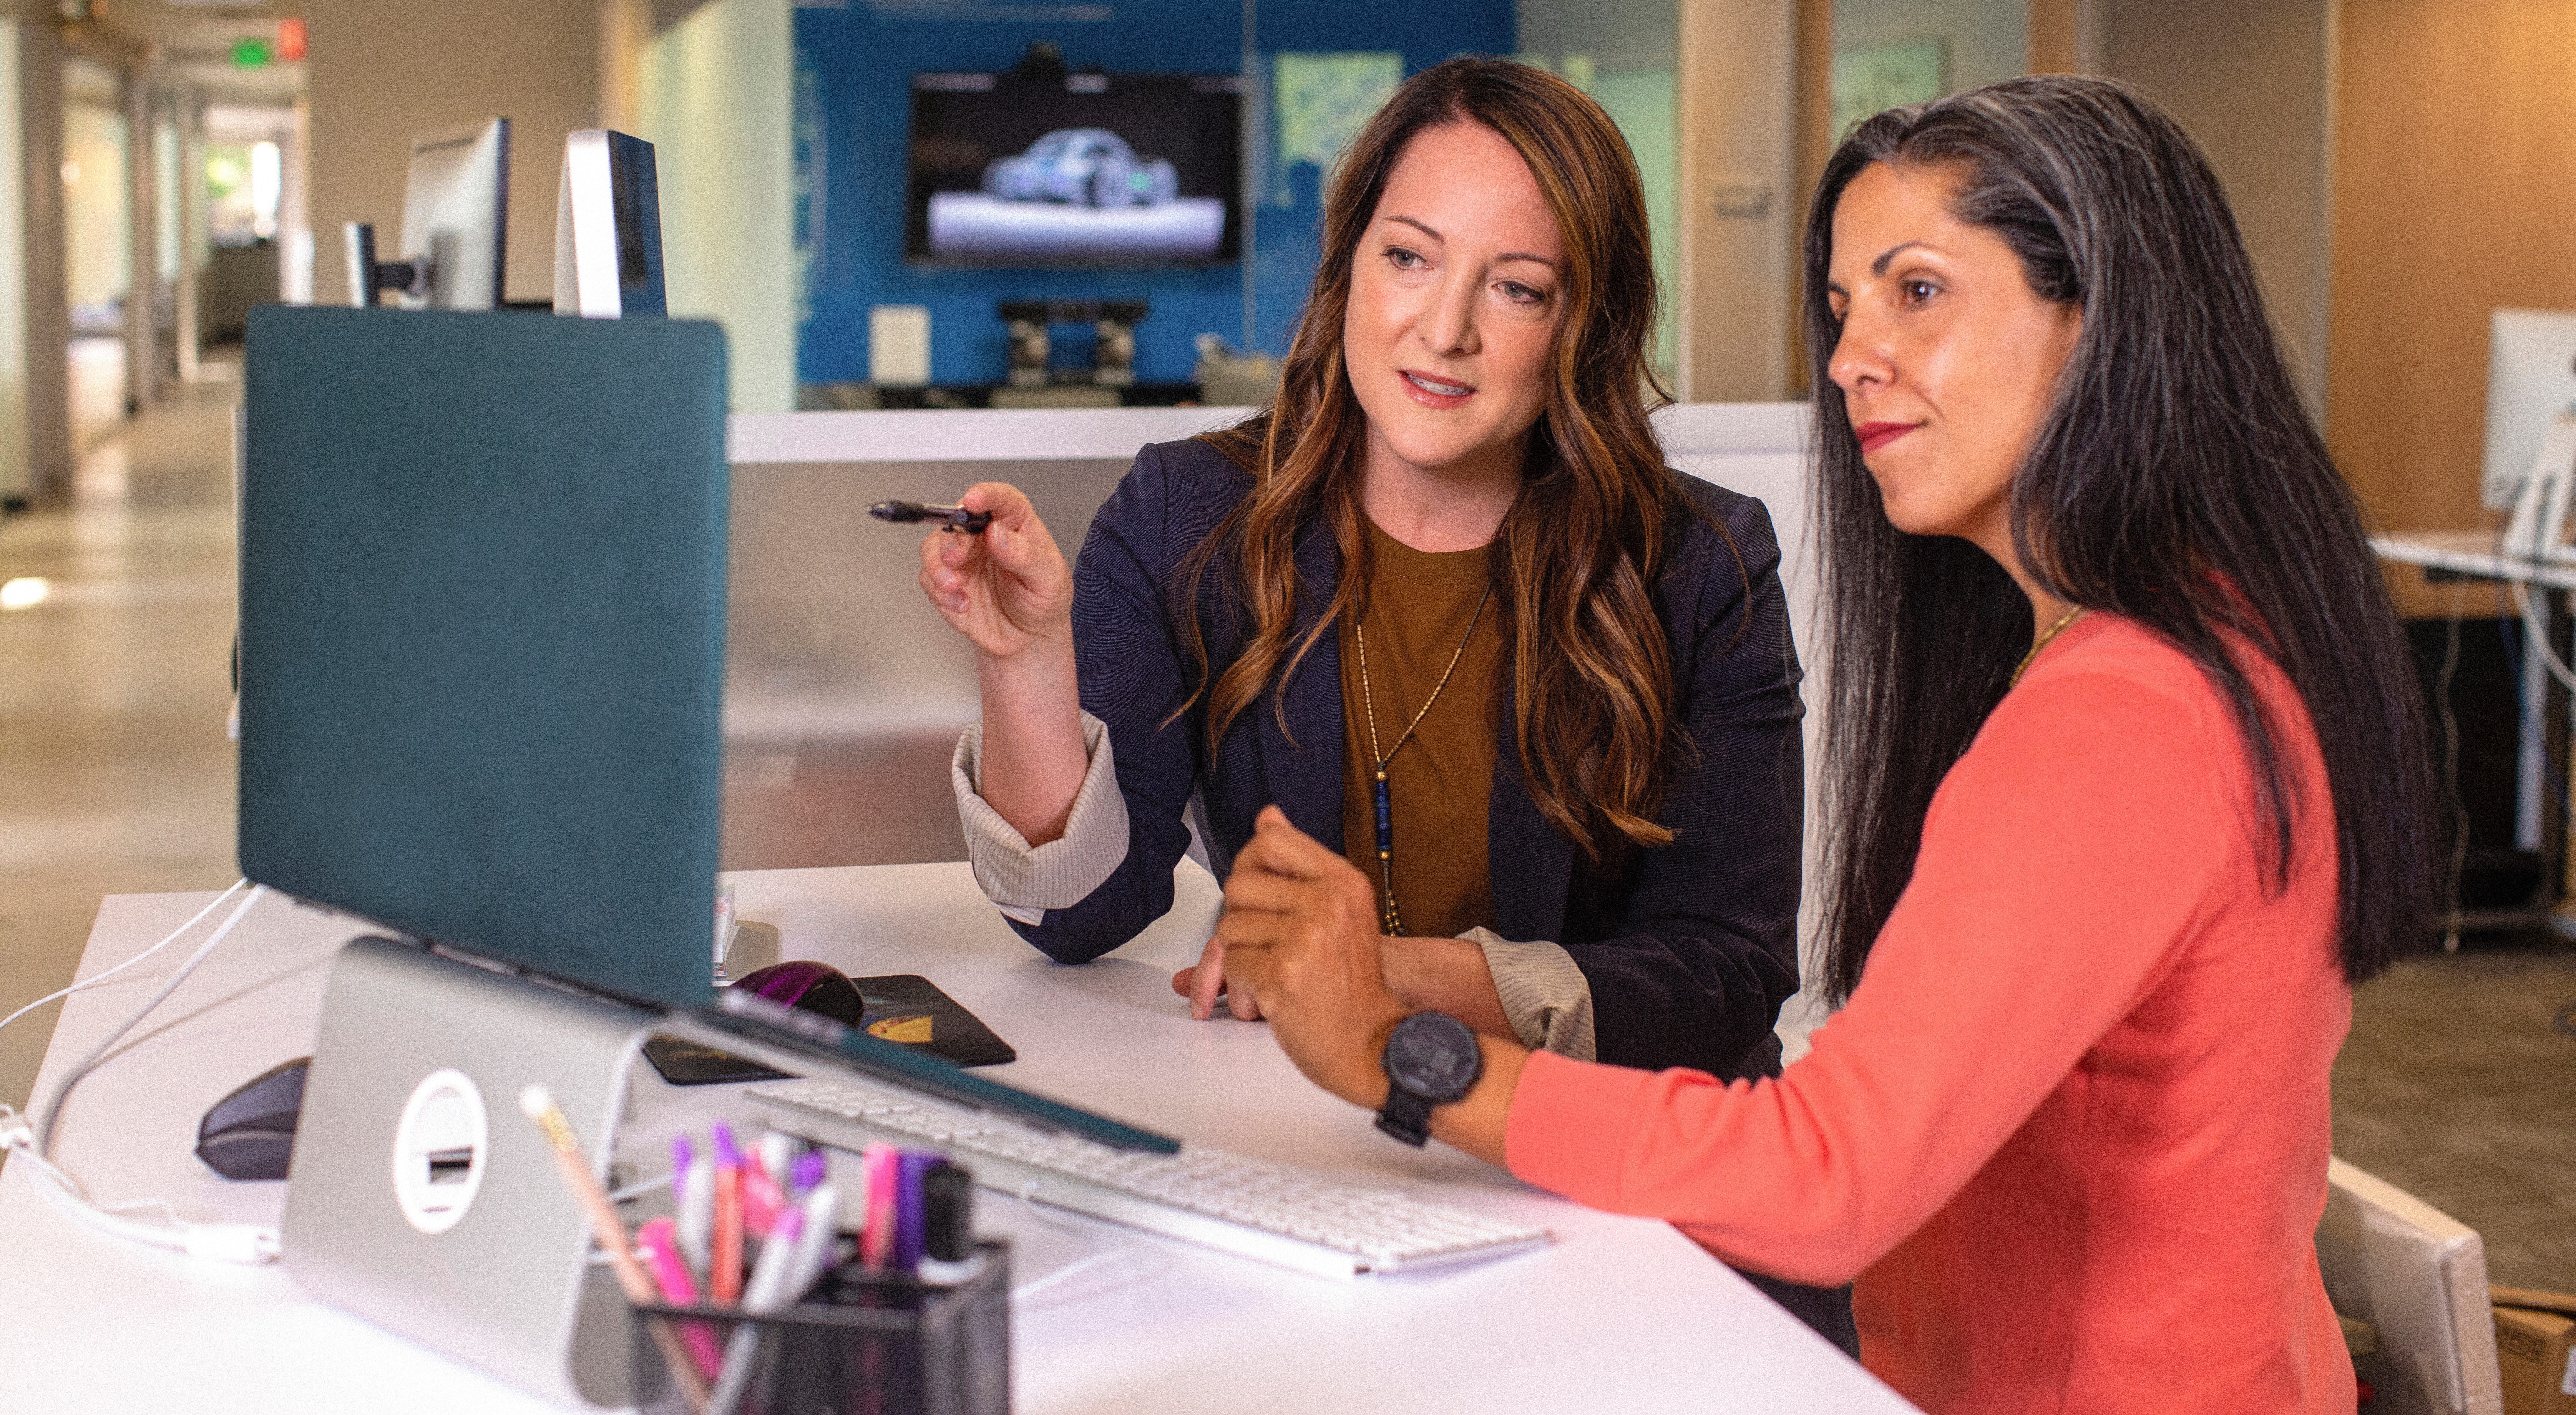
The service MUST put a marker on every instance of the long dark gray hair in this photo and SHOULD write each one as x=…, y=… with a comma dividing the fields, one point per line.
x=2177, y=481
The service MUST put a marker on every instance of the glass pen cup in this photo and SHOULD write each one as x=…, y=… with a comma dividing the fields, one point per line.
x=872, y=1342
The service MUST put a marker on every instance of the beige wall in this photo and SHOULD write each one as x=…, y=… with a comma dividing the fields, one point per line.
x=2249, y=79
x=381, y=70
x=714, y=90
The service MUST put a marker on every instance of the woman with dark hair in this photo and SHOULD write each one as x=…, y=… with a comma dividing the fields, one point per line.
x=1443, y=604
x=2128, y=782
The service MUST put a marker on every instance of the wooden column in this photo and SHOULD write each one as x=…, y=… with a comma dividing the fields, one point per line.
x=48, y=329
x=1814, y=86
x=2454, y=194
x=142, y=337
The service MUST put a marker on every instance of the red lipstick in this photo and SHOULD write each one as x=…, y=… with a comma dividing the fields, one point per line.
x=1874, y=436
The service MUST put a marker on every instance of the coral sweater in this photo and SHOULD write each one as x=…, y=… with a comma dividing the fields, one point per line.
x=2070, y=1133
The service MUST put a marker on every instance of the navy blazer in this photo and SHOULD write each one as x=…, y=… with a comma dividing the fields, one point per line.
x=1690, y=949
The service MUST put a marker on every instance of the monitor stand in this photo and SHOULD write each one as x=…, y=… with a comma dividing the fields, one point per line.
x=2539, y=524
x=421, y=1199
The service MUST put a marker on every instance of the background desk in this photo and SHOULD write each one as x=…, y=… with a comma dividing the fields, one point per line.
x=1621, y=1314
x=2474, y=554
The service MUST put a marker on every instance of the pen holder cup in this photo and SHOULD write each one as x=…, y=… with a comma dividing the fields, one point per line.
x=869, y=1342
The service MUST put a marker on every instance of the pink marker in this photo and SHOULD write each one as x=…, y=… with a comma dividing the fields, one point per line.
x=761, y=1199
x=658, y=1244
x=879, y=1166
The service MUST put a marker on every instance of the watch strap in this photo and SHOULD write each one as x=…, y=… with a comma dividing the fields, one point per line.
x=1406, y=1115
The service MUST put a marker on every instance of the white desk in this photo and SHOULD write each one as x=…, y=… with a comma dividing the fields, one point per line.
x=1621, y=1314
x=2472, y=553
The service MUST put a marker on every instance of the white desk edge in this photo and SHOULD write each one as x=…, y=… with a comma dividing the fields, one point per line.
x=1083, y=434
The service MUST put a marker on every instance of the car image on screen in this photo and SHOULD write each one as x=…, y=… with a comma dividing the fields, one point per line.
x=1083, y=166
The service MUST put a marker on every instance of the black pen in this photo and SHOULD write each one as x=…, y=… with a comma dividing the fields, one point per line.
x=950, y=518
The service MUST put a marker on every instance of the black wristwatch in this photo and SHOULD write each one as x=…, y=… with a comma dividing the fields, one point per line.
x=1431, y=1059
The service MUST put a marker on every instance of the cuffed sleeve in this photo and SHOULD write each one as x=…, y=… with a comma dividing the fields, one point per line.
x=1693, y=946
x=1025, y=881
x=1545, y=997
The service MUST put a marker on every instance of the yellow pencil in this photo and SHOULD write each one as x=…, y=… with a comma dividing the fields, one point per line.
x=537, y=1102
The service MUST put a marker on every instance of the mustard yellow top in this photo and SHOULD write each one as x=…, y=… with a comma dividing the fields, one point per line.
x=1419, y=604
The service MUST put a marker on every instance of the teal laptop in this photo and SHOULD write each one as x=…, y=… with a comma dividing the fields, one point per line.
x=482, y=633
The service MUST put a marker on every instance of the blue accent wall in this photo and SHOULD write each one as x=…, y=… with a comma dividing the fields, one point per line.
x=854, y=100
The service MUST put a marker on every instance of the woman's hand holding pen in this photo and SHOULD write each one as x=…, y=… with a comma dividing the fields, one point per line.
x=1007, y=590
x=1011, y=594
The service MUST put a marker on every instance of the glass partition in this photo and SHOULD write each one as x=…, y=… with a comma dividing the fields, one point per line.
x=951, y=159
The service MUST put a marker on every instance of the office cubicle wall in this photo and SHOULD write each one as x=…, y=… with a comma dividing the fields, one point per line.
x=1759, y=449
x=845, y=692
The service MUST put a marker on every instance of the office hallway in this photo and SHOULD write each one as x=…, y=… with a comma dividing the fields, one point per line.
x=115, y=773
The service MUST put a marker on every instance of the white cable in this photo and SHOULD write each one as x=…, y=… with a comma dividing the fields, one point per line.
x=1111, y=1252
x=2451, y=762
x=1037, y=1285
x=87, y=983
x=32, y=1140
x=54, y=1103
x=2540, y=635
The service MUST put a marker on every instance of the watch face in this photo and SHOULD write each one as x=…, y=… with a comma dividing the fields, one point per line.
x=1434, y=1055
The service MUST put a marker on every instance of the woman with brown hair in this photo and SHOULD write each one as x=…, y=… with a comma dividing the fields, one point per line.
x=1444, y=605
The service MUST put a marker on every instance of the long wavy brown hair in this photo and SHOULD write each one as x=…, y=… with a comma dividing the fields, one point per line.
x=1579, y=553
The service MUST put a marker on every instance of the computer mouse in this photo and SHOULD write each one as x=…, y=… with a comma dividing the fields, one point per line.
x=804, y=983
x=251, y=1133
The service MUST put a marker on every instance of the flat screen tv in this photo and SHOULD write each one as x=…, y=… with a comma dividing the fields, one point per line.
x=1082, y=169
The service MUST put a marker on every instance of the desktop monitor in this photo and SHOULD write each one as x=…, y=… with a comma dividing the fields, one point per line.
x=608, y=228
x=2531, y=380
x=456, y=202
x=482, y=633
x=1075, y=169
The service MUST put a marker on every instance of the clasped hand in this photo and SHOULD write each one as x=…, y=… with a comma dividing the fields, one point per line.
x=1299, y=945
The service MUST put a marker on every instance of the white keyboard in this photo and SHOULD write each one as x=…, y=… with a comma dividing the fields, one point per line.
x=1202, y=1196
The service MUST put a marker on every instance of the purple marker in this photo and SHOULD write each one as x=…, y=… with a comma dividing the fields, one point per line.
x=811, y=1167
x=909, y=1212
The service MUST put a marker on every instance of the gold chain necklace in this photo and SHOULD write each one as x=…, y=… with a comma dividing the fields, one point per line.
x=2053, y=630
x=1392, y=921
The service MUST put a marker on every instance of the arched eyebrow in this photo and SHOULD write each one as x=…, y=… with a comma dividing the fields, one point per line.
x=1879, y=266
x=1507, y=255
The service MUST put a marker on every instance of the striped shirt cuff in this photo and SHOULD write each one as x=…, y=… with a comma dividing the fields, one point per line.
x=1024, y=881
x=1546, y=998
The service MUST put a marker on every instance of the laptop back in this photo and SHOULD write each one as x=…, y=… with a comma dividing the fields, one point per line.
x=482, y=633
